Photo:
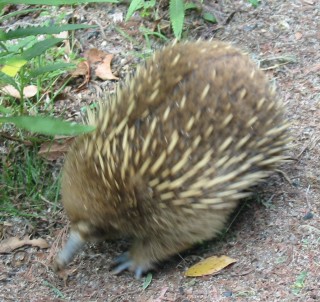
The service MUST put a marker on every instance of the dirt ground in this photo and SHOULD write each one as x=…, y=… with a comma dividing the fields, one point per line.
x=276, y=242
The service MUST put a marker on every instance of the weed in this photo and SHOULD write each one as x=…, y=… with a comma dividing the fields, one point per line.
x=177, y=11
x=299, y=284
x=27, y=182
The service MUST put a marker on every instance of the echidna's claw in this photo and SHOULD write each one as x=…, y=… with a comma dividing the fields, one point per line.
x=122, y=267
x=122, y=258
x=124, y=262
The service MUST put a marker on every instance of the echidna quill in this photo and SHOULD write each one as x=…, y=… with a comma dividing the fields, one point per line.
x=173, y=153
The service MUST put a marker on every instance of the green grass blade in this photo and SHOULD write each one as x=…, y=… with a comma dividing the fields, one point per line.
x=20, y=12
x=209, y=17
x=7, y=80
x=147, y=281
x=40, y=30
x=5, y=110
x=47, y=125
x=176, y=12
x=134, y=6
x=52, y=67
x=39, y=48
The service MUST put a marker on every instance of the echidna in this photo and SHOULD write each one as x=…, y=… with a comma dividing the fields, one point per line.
x=172, y=154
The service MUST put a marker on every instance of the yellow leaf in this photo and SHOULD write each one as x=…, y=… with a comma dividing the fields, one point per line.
x=209, y=266
x=12, y=66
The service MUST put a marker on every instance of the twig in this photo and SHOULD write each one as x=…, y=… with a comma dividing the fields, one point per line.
x=101, y=29
x=124, y=294
x=15, y=139
x=286, y=177
x=307, y=199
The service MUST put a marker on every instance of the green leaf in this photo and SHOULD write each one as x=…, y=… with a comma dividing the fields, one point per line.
x=190, y=5
x=13, y=65
x=147, y=281
x=5, y=110
x=134, y=6
x=52, y=67
x=47, y=125
x=209, y=17
x=20, y=12
x=21, y=44
x=54, y=2
x=149, y=4
x=176, y=11
x=299, y=284
x=148, y=31
x=40, y=30
x=39, y=48
x=6, y=80
x=254, y=3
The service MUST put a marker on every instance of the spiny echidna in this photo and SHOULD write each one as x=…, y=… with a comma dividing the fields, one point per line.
x=173, y=153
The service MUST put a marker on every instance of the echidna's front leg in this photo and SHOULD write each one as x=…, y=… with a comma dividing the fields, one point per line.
x=72, y=247
x=145, y=253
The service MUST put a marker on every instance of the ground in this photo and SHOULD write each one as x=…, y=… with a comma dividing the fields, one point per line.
x=276, y=241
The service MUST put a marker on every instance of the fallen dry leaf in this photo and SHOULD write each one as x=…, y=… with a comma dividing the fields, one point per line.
x=103, y=70
x=100, y=62
x=55, y=149
x=83, y=68
x=97, y=62
x=28, y=91
x=94, y=55
x=209, y=266
x=12, y=243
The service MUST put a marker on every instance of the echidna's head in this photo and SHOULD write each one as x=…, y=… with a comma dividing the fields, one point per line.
x=89, y=203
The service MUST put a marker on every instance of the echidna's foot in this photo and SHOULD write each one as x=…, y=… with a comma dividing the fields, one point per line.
x=124, y=262
x=72, y=247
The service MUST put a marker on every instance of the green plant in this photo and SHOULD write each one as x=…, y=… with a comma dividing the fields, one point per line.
x=177, y=14
x=177, y=11
x=143, y=5
x=254, y=3
x=25, y=61
x=299, y=284
x=27, y=183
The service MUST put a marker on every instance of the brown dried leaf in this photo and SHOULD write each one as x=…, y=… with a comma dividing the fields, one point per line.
x=55, y=149
x=83, y=69
x=94, y=55
x=28, y=91
x=12, y=243
x=103, y=70
x=209, y=266
x=102, y=63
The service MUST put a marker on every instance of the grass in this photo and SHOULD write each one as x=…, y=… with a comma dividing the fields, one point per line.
x=28, y=185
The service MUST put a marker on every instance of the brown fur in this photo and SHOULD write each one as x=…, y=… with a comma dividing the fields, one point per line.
x=107, y=195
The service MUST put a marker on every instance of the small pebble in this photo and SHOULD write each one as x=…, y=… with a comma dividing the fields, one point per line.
x=227, y=294
x=308, y=216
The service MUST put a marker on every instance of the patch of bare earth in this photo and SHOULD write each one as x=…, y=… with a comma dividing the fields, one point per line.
x=277, y=246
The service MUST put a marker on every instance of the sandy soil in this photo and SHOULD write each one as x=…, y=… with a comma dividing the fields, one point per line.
x=276, y=241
